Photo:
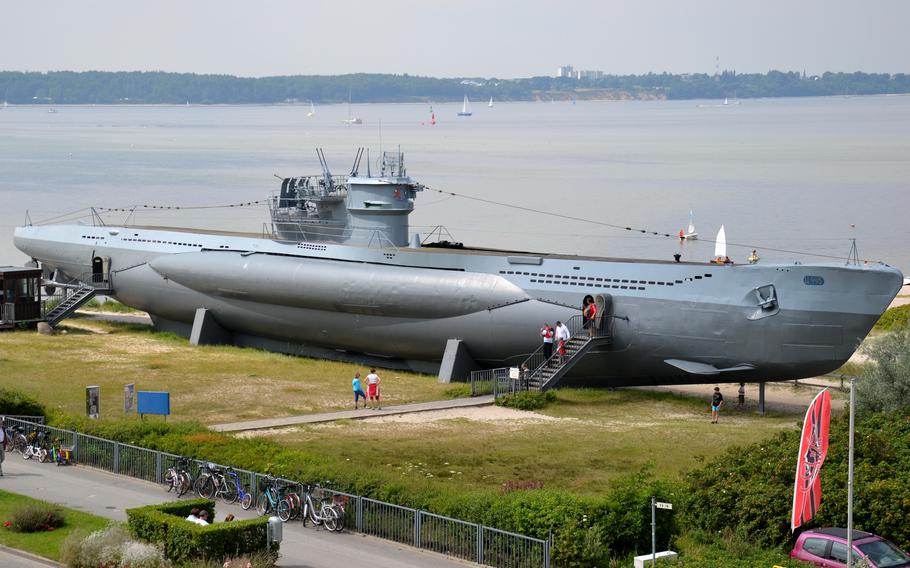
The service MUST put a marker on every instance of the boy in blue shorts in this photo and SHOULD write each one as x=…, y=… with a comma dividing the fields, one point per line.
x=358, y=391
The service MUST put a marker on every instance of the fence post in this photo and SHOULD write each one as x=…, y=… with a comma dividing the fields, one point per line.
x=116, y=457
x=479, y=543
x=358, y=518
x=416, y=528
x=546, y=550
x=157, y=467
x=75, y=446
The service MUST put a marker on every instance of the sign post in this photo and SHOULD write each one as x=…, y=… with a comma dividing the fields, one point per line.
x=93, y=401
x=655, y=504
x=129, y=392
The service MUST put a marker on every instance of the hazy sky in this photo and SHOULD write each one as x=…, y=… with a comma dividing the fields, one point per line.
x=447, y=38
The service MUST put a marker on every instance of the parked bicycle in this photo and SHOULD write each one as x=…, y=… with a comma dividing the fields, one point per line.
x=327, y=513
x=178, y=478
x=37, y=446
x=271, y=499
x=18, y=441
x=239, y=493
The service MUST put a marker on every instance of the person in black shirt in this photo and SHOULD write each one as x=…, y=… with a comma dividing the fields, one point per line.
x=716, y=402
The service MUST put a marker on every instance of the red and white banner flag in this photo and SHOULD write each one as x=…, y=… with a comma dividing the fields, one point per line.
x=807, y=490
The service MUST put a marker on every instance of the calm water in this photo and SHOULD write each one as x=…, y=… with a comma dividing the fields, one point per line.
x=798, y=174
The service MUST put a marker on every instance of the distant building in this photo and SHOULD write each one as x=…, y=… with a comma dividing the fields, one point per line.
x=564, y=71
x=589, y=74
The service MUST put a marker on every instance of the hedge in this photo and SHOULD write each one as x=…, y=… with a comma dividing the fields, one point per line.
x=182, y=540
x=18, y=404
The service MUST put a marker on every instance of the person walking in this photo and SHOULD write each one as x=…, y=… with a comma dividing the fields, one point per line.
x=717, y=401
x=742, y=395
x=373, y=389
x=562, y=338
x=547, y=333
x=358, y=391
x=4, y=442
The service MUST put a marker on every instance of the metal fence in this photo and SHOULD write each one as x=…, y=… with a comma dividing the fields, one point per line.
x=413, y=527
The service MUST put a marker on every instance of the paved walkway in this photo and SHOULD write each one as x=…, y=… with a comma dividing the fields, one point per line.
x=109, y=495
x=12, y=558
x=353, y=414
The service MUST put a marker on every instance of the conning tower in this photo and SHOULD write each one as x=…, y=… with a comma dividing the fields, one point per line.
x=354, y=209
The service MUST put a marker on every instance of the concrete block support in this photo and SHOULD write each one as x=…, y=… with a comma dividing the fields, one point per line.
x=457, y=362
x=207, y=331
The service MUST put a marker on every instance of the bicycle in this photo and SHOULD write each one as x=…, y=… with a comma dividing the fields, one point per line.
x=178, y=477
x=240, y=494
x=327, y=513
x=18, y=440
x=37, y=447
x=207, y=483
x=271, y=500
x=292, y=511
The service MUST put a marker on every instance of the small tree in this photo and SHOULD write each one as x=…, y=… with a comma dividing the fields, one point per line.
x=885, y=382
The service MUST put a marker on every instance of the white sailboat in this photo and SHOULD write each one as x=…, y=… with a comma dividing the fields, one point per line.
x=312, y=110
x=464, y=108
x=689, y=233
x=351, y=119
x=720, y=246
x=491, y=103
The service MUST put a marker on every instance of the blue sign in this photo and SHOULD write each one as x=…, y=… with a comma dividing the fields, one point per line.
x=151, y=402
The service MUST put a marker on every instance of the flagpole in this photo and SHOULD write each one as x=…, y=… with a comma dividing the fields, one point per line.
x=850, y=476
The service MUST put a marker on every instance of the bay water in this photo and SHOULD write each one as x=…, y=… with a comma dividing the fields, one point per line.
x=797, y=179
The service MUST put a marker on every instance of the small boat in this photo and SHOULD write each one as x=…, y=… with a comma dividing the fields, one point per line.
x=351, y=119
x=52, y=111
x=312, y=110
x=689, y=234
x=720, y=248
x=490, y=105
x=907, y=281
x=464, y=108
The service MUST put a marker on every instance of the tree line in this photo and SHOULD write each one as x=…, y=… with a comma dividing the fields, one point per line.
x=158, y=87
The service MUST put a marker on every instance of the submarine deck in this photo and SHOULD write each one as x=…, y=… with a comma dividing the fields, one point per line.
x=467, y=250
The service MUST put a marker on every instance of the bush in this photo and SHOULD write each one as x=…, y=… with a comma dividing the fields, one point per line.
x=750, y=488
x=527, y=400
x=34, y=517
x=18, y=404
x=182, y=540
x=112, y=548
x=885, y=382
x=894, y=318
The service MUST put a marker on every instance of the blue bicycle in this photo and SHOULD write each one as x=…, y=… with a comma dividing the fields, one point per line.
x=239, y=494
x=271, y=499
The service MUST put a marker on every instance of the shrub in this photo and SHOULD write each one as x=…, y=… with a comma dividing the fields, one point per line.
x=112, y=548
x=458, y=391
x=16, y=403
x=34, y=517
x=894, y=318
x=750, y=488
x=527, y=400
x=885, y=382
x=182, y=540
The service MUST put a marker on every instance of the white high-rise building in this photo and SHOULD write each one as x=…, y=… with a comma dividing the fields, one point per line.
x=564, y=71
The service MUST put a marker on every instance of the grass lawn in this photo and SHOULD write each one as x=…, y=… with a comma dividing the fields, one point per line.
x=46, y=544
x=211, y=384
x=580, y=442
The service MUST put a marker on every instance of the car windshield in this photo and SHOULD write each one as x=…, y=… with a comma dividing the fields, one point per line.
x=884, y=554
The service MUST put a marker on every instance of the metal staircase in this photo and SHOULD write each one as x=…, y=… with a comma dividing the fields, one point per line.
x=543, y=374
x=75, y=294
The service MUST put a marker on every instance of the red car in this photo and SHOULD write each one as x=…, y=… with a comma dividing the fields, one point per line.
x=828, y=547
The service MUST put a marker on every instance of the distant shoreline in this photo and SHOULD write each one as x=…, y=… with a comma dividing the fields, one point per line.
x=145, y=88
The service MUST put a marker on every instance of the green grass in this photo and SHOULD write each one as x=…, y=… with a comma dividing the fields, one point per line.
x=580, y=442
x=46, y=544
x=211, y=384
x=893, y=318
x=730, y=551
x=112, y=306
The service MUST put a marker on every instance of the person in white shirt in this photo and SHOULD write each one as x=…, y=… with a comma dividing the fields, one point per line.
x=562, y=337
x=373, y=388
x=193, y=516
x=203, y=518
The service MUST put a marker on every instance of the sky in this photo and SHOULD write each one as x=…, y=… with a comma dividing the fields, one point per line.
x=440, y=38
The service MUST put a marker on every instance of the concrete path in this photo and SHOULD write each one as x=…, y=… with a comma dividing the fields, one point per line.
x=353, y=414
x=109, y=495
x=12, y=558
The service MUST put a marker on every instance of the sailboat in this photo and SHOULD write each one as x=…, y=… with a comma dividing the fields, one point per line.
x=312, y=110
x=464, y=108
x=432, y=117
x=351, y=119
x=720, y=247
x=689, y=233
x=491, y=103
